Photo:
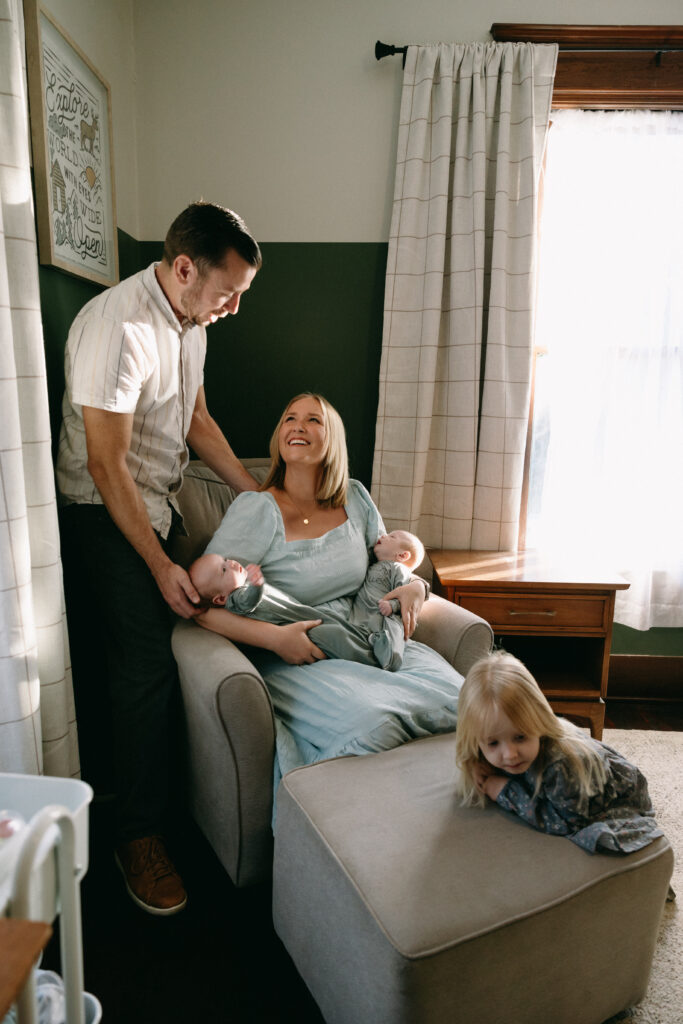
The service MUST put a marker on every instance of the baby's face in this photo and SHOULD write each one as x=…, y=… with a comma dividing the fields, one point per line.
x=390, y=546
x=220, y=575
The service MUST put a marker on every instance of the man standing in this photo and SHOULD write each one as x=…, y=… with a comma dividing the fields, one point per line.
x=134, y=396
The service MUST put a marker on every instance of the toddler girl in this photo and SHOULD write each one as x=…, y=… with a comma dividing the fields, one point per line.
x=512, y=748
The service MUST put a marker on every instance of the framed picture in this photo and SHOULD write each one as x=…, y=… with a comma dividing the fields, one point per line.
x=70, y=110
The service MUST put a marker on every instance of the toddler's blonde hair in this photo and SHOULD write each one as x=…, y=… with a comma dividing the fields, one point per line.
x=500, y=682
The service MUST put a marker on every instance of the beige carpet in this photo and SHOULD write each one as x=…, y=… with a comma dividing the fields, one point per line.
x=659, y=755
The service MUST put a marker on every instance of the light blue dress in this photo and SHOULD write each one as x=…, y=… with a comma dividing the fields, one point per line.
x=335, y=707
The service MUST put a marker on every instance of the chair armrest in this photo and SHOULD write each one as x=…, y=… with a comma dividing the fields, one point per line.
x=231, y=746
x=460, y=636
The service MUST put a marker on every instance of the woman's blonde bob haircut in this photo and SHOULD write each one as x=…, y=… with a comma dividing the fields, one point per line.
x=501, y=683
x=334, y=469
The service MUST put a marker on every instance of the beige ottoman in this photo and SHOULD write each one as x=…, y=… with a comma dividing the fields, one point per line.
x=396, y=905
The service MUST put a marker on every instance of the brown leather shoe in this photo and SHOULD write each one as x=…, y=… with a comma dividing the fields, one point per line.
x=151, y=880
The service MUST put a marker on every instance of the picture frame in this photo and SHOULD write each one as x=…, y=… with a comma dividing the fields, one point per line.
x=71, y=134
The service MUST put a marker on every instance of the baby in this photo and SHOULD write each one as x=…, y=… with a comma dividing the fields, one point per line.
x=372, y=631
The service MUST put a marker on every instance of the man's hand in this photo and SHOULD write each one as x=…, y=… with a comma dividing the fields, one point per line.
x=294, y=646
x=108, y=437
x=177, y=589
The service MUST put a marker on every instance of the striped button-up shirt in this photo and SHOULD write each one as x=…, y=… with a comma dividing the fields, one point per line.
x=127, y=352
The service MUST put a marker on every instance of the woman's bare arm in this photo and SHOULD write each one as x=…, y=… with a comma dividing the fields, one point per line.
x=290, y=642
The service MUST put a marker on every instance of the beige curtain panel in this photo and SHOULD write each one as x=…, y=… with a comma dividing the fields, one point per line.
x=454, y=376
x=37, y=720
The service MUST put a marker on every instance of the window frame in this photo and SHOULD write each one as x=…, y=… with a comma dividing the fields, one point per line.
x=609, y=67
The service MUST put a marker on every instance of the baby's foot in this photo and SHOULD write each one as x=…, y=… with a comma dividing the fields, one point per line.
x=386, y=656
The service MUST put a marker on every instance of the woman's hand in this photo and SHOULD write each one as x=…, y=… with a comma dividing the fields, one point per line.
x=293, y=644
x=487, y=781
x=411, y=597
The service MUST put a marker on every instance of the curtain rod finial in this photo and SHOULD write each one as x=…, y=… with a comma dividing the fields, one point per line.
x=387, y=50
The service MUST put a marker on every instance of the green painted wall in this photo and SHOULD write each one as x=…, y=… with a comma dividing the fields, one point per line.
x=666, y=642
x=312, y=320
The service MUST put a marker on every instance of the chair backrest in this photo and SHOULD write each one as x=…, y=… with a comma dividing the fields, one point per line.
x=203, y=499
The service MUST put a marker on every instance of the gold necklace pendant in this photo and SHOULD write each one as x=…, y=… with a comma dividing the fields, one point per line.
x=304, y=518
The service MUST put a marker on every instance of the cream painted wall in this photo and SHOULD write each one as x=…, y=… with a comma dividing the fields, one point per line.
x=279, y=109
x=104, y=31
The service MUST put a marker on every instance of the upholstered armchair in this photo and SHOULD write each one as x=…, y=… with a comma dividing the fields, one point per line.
x=228, y=713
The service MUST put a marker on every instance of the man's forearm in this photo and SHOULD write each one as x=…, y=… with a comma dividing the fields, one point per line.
x=211, y=445
x=126, y=507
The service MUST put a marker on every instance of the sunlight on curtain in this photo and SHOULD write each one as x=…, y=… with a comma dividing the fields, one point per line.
x=458, y=314
x=607, y=458
x=37, y=719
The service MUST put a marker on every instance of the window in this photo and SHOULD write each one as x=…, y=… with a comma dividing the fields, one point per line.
x=605, y=480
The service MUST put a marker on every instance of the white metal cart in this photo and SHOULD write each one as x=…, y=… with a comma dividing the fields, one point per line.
x=40, y=878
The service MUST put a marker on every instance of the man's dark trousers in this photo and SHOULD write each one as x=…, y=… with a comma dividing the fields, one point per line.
x=125, y=677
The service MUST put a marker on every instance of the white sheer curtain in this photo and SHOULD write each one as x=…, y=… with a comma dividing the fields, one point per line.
x=607, y=456
x=454, y=376
x=37, y=720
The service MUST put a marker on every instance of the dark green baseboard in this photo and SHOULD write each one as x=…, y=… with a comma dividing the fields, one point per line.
x=645, y=677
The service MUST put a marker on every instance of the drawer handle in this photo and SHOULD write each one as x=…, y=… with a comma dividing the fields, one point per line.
x=534, y=611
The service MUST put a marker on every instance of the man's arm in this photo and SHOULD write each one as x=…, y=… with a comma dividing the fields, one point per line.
x=210, y=444
x=108, y=436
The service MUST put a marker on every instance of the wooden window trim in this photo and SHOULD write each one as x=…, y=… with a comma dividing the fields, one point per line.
x=609, y=67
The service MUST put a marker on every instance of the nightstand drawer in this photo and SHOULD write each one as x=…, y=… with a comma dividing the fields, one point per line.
x=516, y=611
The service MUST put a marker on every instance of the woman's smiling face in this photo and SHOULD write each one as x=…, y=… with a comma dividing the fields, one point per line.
x=302, y=434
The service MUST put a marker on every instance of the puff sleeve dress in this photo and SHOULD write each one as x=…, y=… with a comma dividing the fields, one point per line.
x=335, y=707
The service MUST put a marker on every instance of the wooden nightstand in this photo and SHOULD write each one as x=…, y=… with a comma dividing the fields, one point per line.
x=555, y=618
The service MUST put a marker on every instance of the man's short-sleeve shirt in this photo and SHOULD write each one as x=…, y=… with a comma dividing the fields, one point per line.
x=128, y=353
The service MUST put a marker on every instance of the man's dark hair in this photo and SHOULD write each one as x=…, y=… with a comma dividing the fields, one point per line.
x=205, y=232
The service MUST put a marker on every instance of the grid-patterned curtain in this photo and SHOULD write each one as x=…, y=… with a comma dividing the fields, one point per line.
x=37, y=720
x=454, y=377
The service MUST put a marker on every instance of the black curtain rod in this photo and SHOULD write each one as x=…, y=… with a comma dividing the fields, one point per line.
x=386, y=50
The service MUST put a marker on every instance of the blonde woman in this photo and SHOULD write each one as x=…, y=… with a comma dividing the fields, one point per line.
x=511, y=748
x=312, y=531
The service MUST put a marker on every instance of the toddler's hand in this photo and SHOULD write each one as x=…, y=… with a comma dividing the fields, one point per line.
x=385, y=607
x=487, y=781
x=480, y=774
x=254, y=575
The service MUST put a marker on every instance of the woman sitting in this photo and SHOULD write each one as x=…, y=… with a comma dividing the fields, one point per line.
x=311, y=530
